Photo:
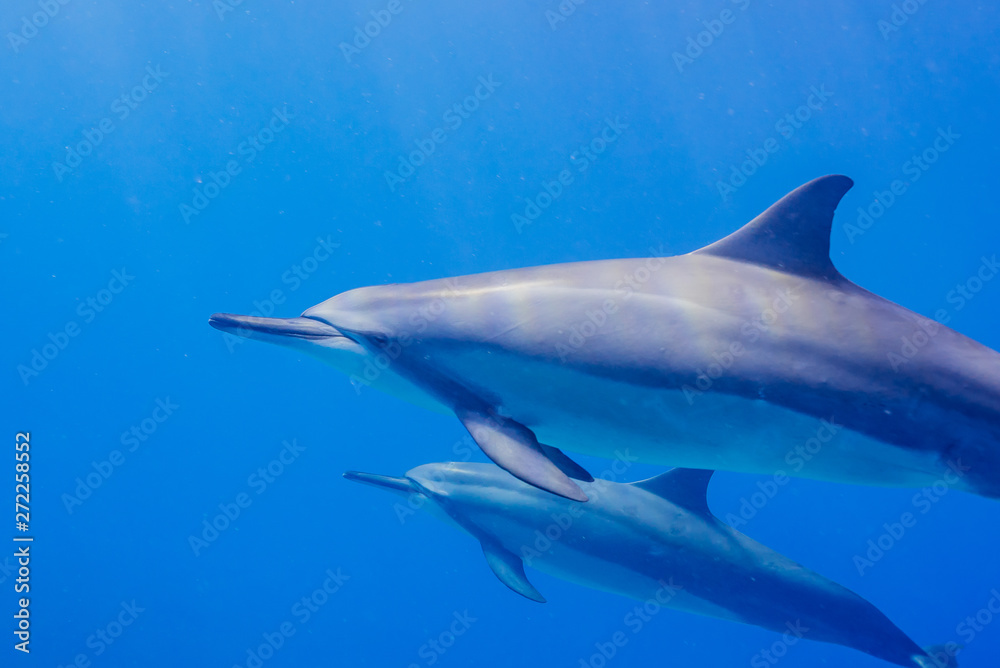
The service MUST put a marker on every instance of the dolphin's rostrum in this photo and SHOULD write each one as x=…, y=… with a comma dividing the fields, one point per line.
x=725, y=358
x=653, y=540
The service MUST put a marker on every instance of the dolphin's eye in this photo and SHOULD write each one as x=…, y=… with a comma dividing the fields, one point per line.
x=380, y=339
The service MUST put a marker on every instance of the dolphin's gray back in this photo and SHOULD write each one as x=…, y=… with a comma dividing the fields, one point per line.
x=695, y=306
x=831, y=352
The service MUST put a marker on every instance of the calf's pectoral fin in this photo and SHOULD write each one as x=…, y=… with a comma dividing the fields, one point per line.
x=515, y=449
x=509, y=568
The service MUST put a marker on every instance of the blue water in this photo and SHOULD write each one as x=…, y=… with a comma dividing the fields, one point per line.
x=92, y=184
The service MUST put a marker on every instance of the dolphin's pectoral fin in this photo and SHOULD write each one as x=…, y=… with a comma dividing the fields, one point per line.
x=565, y=464
x=685, y=487
x=515, y=449
x=509, y=568
x=793, y=235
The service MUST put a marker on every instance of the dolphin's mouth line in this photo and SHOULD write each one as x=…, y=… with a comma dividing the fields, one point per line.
x=404, y=485
x=323, y=323
x=247, y=325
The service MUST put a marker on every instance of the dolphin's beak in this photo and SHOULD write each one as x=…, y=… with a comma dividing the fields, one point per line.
x=248, y=326
x=400, y=485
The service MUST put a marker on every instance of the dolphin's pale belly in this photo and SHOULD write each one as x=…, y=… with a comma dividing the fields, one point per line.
x=595, y=415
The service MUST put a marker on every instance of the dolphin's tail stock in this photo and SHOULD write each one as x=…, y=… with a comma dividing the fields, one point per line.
x=939, y=656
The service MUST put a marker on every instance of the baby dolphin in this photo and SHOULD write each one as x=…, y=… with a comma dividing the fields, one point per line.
x=653, y=540
x=725, y=358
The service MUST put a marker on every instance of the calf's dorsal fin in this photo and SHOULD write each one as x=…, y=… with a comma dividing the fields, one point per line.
x=685, y=487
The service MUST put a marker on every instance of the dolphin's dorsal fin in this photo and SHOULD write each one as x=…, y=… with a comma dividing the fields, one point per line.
x=510, y=569
x=793, y=235
x=685, y=487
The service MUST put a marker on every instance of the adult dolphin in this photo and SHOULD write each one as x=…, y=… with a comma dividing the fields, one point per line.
x=725, y=358
x=655, y=541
